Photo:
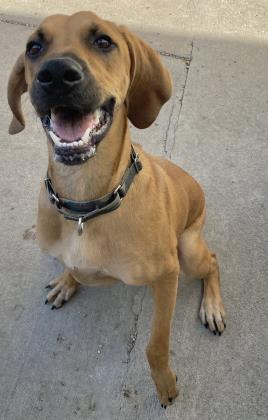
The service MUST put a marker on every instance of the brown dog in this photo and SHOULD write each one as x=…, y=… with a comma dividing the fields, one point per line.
x=86, y=77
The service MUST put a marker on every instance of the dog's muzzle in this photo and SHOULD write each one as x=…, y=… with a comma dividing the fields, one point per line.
x=68, y=100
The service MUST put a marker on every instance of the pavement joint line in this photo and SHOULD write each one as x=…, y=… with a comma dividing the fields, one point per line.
x=165, y=148
x=168, y=150
x=16, y=22
x=186, y=58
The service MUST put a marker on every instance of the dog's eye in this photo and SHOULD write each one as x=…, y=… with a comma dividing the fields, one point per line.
x=33, y=49
x=104, y=43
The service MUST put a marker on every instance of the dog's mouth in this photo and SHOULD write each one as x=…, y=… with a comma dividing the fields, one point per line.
x=75, y=135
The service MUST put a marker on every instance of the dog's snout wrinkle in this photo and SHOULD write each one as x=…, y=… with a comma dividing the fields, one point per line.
x=60, y=73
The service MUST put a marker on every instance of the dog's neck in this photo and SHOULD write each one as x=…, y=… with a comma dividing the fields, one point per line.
x=101, y=173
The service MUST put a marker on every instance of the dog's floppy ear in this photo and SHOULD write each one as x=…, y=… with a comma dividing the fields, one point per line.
x=150, y=83
x=16, y=87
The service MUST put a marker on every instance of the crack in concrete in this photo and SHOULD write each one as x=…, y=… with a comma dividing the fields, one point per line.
x=168, y=146
x=136, y=310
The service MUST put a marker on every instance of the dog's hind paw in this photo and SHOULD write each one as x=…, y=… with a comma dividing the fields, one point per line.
x=62, y=289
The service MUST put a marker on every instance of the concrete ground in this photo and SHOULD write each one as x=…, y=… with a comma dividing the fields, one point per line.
x=87, y=360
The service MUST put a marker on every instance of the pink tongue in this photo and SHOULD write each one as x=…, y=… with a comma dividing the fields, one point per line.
x=72, y=130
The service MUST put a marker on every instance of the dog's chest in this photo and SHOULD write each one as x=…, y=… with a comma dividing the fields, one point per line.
x=91, y=258
x=78, y=253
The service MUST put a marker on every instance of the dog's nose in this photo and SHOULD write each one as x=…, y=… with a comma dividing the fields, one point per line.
x=60, y=73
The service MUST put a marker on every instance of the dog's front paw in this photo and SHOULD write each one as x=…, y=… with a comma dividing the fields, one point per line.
x=212, y=315
x=165, y=382
x=63, y=288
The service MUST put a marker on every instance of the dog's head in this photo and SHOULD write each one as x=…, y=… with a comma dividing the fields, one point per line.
x=78, y=71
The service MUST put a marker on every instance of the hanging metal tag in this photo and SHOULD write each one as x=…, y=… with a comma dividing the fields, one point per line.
x=80, y=226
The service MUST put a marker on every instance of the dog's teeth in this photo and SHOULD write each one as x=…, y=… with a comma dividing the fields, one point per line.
x=75, y=144
x=85, y=135
x=81, y=143
x=98, y=114
x=55, y=138
x=92, y=151
x=71, y=158
x=64, y=145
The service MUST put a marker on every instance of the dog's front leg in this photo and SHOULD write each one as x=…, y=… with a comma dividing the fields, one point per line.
x=164, y=293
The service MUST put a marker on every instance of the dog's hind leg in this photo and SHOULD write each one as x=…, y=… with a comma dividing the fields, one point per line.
x=62, y=289
x=197, y=261
x=164, y=293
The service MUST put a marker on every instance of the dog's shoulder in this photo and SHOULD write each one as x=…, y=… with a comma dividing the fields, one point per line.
x=184, y=185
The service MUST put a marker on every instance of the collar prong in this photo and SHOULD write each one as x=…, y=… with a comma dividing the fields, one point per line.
x=80, y=226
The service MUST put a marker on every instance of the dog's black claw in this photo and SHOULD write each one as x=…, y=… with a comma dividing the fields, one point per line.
x=53, y=307
x=163, y=406
x=176, y=378
x=224, y=323
x=48, y=286
x=170, y=400
x=219, y=333
x=206, y=325
x=216, y=327
x=46, y=301
x=214, y=332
